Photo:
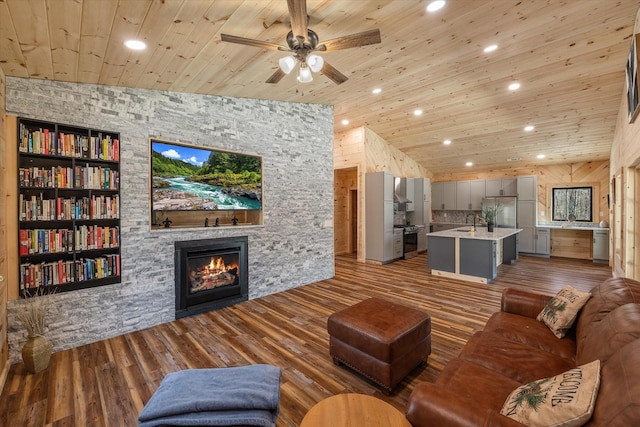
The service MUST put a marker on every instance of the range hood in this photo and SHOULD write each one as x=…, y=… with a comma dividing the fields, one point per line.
x=400, y=194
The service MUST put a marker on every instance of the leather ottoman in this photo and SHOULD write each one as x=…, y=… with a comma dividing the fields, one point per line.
x=379, y=339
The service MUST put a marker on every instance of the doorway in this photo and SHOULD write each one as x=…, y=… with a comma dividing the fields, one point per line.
x=345, y=211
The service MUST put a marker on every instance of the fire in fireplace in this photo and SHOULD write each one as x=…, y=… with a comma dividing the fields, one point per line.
x=210, y=274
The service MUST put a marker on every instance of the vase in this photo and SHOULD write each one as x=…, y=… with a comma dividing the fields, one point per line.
x=490, y=227
x=36, y=353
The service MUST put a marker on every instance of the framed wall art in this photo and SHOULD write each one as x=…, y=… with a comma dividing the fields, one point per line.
x=632, y=79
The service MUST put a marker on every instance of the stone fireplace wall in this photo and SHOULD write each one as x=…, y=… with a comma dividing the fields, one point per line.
x=296, y=142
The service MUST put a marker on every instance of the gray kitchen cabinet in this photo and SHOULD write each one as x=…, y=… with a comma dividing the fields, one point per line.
x=543, y=241
x=379, y=238
x=421, y=214
x=443, y=196
x=600, y=245
x=398, y=243
x=527, y=187
x=528, y=240
x=501, y=187
x=443, y=227
x=422, y=239
x=469, y=195
x=526, y=216
x=481, y=266
x=463, y=195
x=477, y=193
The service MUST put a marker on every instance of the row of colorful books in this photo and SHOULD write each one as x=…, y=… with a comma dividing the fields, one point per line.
x=63, y=272
x=84, y=237
x=48, y=142
x=87, y=177
x=37, y=208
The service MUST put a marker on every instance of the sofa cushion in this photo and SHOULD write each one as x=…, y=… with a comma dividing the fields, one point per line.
x=520, y=362
x=561, y=311
x=617, y=329
x=529, y=331
x=618, y=403
x=605, y=297
x=475, y=382
x=564, y=400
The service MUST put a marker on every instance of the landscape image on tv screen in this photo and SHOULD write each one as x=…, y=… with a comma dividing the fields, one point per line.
x=186, y=178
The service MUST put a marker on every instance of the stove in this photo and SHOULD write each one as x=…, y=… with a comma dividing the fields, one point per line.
x=410, y=240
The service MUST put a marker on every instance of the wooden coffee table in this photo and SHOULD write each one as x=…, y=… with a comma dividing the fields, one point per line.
x=353, y=410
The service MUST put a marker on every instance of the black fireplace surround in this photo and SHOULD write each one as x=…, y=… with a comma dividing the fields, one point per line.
x=192, y=257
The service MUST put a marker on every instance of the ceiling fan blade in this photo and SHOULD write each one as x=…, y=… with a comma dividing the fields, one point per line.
x=354, y=40
x=331, y=72
x=276, y=77
x=252, y=42
x=298, y=14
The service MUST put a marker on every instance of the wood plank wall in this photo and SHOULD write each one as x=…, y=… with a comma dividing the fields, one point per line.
x=625, y=163
x=4, y=345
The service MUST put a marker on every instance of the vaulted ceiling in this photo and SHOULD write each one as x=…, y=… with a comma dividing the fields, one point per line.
x=569, y=57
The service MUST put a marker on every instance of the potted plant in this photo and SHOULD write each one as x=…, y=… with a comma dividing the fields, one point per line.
x=36, y=352
x=489, y=215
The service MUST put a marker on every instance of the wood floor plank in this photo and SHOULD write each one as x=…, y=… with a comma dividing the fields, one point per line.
x=108, y=382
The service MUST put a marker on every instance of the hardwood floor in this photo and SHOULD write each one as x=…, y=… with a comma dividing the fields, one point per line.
x=108, y=382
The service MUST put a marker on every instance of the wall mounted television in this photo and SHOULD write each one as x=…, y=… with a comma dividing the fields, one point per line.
x=193, y=185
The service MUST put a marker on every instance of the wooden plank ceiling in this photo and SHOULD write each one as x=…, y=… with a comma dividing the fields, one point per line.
x=569, y=57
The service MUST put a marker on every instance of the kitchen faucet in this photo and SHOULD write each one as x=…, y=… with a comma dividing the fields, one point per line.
x=466, y=221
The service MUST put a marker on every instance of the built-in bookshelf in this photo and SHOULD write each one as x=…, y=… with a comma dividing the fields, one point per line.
x=68, y=207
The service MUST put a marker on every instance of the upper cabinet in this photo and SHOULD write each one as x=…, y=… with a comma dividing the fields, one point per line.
x=501, y=187
x=527, y=187
x=443, y=196
x=469, y=194
x=421, y=213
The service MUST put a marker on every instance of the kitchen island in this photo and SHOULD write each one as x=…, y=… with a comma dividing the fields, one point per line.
x=474, y=256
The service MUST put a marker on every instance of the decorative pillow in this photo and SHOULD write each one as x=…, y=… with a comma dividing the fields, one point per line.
x=561, y=311
x=565, y=400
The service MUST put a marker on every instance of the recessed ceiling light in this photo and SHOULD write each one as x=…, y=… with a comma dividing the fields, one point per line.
x=514, y=86
x=417, y=112
x=468, y=164
x=540, y=156
x=490, y=48
x=435, y=5
x=345, y=122
x=376, y=91
x=446, y=142
x=135, y=44
x=529, y=128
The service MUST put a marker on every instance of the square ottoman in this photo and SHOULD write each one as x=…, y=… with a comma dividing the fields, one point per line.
x=379, y=339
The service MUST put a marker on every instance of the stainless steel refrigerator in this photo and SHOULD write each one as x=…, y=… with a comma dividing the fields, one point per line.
x=506, y=216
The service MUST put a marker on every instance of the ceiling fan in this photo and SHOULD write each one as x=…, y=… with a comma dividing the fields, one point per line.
x=302, y=43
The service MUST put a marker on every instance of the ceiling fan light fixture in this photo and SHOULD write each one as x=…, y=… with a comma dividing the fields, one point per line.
x=315, y=62
x=304, y=74
x=287, y=64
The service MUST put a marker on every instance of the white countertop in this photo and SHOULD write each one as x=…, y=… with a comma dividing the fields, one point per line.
x=573, y=227
x=479, y=233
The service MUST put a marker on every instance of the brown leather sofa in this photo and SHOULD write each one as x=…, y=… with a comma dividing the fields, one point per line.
x=515, y=349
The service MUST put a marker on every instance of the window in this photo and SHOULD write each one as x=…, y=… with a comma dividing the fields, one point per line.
x=572, y=201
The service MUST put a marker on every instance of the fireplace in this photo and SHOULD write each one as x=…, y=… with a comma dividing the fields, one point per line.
x=210, y=274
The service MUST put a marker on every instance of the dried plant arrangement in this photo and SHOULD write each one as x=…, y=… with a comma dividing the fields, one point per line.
x=33, y=314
